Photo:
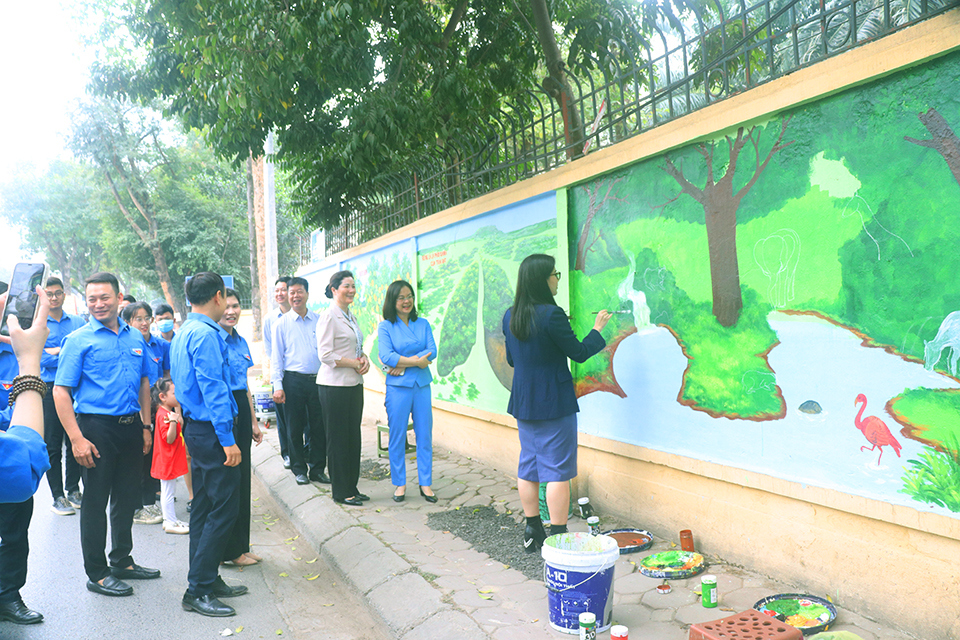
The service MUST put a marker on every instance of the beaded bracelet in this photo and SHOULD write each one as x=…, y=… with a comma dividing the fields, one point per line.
x=26, y=383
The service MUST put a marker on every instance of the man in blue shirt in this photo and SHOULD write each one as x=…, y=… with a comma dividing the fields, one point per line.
x=294, y=364
x=201, y=376
x=103, y=400
x=23, y=459
x=61, y=324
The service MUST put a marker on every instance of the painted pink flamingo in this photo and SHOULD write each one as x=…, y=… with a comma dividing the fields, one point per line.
x=874, y=430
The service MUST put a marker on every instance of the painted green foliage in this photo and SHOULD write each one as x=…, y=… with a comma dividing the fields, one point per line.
x=466, y=286
x=373, y=278
x=852, y=217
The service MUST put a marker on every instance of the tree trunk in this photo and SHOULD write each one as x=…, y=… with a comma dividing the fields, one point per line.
x=260, y=225
x=721, y=221
x=556, y=84
x=255, y=300
x=163, y=272
x=944, y=141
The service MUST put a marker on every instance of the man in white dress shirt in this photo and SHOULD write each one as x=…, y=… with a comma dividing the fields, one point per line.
x=294, y=374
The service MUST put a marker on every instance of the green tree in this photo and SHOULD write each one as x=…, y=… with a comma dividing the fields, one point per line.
x=60, y=209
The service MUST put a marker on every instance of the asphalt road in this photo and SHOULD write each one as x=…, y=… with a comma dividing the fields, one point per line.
x=278, y=606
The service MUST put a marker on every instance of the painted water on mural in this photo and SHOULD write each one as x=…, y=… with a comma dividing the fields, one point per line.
x=815, y=360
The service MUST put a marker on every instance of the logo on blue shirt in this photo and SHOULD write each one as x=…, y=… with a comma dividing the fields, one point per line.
x=137, y=352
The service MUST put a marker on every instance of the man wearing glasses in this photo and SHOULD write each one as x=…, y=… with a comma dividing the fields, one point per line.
x=61, y=324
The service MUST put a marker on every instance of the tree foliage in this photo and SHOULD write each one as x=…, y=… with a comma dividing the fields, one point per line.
x=356, y=90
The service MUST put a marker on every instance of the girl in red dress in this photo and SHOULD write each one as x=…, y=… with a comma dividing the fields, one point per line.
x=169, y=452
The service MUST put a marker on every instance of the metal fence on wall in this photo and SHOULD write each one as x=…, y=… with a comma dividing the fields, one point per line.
x=719, y=51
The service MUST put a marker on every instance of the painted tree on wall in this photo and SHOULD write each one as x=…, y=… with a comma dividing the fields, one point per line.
x=944, y=140
x=720, y=203
x=590, y=232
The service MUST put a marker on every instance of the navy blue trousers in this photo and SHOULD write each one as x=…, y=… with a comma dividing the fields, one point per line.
x=14, y=547
x=216, y=502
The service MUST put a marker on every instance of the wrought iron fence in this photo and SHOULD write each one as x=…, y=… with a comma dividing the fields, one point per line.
x=725, y=48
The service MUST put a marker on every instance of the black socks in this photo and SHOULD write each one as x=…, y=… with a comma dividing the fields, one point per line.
x=557, y=528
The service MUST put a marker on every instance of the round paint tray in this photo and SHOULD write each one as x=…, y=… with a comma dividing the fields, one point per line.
x=631, y=540
x=809, y=614
x=672, y=565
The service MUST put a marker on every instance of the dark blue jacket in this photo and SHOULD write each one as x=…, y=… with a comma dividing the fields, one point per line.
x=542, y=384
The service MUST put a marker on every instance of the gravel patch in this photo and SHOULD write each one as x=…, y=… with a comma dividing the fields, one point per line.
x=374, y=469
x=495, y=534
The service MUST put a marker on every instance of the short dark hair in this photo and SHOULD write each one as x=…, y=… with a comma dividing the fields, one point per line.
x=163, y=308
x=390, y=300
x=202, y=287
x=102, y=277
x=231, y=293
x=129, y=298
x=131, y=309
x=54, y=281
x=335, y=281
x=284, y=279
x=299, y=281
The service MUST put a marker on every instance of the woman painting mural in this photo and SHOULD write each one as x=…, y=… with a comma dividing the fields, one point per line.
x=539, y=340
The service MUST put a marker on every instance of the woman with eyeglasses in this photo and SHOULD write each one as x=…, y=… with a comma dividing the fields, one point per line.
x=539, y=340
x=407, y=347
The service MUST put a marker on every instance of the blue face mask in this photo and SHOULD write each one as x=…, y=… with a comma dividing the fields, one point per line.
x=165, y=326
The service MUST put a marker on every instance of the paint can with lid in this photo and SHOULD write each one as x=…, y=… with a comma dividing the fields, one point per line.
x=708, y=591
x=594, y=523
x=588, y=626
x=619, y=632
x=586, y=509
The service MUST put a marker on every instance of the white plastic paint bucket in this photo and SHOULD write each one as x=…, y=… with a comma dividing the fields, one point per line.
x=578, y=573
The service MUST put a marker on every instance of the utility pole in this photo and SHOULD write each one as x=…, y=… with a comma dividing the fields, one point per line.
x=270, y=210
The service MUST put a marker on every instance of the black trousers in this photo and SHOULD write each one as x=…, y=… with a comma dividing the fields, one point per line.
x=282, y=433
x=55, y=437
x=14, y=547
x=238, y=542
x=215, y=504
x=342, y=412
x=149, y=486
x=115, y=480
x=303, y=415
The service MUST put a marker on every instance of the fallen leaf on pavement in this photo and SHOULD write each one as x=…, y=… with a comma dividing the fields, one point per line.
x=284, y=575
x=312, y=561
x=312, y=577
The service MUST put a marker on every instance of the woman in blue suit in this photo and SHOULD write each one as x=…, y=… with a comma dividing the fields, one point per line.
x=539, y=340
x=406, y=349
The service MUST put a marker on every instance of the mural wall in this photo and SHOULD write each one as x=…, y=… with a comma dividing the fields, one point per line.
x=789, y=294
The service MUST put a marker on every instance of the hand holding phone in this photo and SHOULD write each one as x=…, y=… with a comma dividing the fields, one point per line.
x=23, y=297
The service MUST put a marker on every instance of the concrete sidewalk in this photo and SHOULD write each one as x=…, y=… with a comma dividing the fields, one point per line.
x=431, y=585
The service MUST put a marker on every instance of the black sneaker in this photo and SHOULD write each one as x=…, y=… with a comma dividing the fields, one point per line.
x=75, y=498
x=62, y=508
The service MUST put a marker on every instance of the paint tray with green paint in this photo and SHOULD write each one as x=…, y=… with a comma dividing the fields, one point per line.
x=672, y=565
x=807, y=613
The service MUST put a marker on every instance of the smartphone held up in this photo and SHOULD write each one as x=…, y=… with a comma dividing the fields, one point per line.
x=22, y=298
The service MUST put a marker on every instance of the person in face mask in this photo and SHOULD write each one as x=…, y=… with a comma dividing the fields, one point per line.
x=164, y=321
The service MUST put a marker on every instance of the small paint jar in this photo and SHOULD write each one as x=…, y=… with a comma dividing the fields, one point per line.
x=594, y=523
x=618, y=632
x=586, y=509
x=664, y=589
x=686, y=540
x=708, y=591
x=588, y=626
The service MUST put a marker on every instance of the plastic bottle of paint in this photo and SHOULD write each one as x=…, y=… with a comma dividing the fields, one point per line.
x=708, y=591
x=619, y=632
x=586, y=510
x=594, y=523
x=686, y=540
x=588, y=626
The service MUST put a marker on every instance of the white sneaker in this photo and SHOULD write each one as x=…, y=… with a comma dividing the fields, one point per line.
x=143, y=516
x=180, y=528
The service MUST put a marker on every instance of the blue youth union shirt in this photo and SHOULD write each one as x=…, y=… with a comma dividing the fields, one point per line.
x=199, y=366
x=59, y=330
x=158, y=358
x=238, y=355
x=103, y=368
x=8, y=371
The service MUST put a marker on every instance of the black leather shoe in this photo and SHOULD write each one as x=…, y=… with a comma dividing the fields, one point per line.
x=431, y=499
x=353, y=501
x=363, y=497
x=222, y=590
x=302, y=478
x=286, y=462
x=111, y=587
x=399, y=497
x=207, y=605
x=319, y=477
x=18, y=613
x=136, y=572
